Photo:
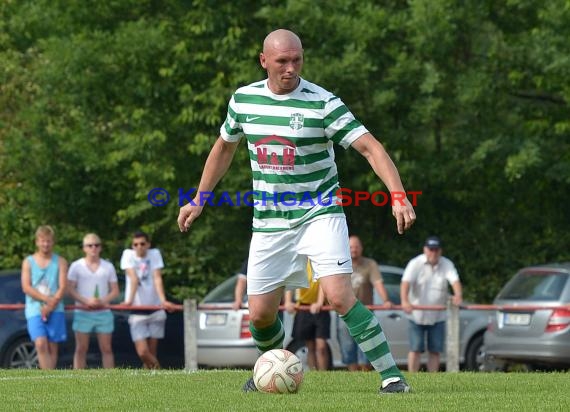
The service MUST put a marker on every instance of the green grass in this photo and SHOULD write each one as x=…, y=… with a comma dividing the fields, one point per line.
x=220, y=390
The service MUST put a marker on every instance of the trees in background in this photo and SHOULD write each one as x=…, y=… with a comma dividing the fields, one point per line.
x=102, y=101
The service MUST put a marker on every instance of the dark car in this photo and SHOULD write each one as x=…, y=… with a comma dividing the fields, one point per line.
x=17, y=351
x=538, y=334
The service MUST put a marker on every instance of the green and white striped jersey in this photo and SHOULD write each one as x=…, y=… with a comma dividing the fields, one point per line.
x=290, y=141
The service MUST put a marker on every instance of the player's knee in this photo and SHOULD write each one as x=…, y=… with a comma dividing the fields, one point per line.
x=341, y=303
x=262, y=320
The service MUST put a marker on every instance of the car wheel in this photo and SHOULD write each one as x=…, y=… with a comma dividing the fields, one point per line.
x=474, y=356
x=300, y=350
x=21, y=354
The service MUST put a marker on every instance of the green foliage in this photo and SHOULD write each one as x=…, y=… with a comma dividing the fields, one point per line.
x=102, y=101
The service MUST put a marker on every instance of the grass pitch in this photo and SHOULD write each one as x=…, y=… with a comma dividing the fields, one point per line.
x=220, y=390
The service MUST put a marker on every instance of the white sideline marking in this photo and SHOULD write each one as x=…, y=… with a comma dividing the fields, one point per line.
x=97, y=374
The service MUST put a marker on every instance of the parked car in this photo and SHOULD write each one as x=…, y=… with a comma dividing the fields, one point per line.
x=224, y=339
x=537, y=337
x=17, y=351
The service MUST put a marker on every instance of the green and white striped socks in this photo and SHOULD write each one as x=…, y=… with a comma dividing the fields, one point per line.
x=270, y=337
x=367, y=332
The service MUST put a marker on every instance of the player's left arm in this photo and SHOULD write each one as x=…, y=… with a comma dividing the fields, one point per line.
x=384, y=167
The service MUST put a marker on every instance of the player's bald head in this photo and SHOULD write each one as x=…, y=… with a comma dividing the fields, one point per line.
x=281, y=40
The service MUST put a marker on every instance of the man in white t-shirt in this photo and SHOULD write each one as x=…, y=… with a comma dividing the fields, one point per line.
x=425, y=282
x=92, y=282
x=144, y=287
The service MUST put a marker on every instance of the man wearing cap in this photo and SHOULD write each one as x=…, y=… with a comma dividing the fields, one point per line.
x=425, y=282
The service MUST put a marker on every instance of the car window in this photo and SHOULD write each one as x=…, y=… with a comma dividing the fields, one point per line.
x=11, y=290
x=223, y=293
x=392, y=284
x=541, y=286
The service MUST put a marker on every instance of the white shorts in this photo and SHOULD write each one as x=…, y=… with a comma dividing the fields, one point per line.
x=280, y=258
x=147, y=326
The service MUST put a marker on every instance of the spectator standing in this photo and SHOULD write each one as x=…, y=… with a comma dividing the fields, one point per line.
x=425, y=282
x=144, y=287
x=92, y=282
x=44, y=276
x=365, y=278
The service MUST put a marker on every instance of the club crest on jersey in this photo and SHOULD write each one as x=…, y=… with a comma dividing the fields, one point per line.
x=296, y=121
x=268, y=156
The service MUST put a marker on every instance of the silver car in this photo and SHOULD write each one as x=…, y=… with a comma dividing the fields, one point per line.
x=224, y=339
x=538, y=334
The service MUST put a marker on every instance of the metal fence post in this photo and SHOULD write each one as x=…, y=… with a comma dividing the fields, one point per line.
x=452, y=339
x=190, y=335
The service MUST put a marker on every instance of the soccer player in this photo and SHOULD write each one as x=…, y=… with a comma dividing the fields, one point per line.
x=290, y=125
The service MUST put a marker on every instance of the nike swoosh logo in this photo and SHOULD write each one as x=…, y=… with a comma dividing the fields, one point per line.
x=366, y=334
x=251, y=119
x=338, y=262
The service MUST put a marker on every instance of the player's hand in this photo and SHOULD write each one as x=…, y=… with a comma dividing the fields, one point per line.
x=188, y=214
x=404, y=214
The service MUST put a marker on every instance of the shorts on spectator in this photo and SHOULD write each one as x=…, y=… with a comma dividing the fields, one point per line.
x=309, y=326
x=93, y=322
x=435, y=337
x=53, y=329
x=147, y=326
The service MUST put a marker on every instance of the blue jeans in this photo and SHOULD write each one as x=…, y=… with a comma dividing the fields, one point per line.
x=351, y=353
x=435, y=337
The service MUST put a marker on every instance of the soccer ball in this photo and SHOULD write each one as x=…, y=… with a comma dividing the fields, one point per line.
x=278, y=371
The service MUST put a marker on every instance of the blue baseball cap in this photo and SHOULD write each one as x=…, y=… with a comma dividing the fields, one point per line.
x=433, y=242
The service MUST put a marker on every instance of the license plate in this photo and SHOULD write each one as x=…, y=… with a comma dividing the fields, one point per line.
x=216, y=319
x=519, y=319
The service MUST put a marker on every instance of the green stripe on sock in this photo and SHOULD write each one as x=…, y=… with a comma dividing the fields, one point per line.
x=363, y=328
x=268, y=338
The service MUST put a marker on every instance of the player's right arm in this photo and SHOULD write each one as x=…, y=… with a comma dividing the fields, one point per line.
x=217, y=164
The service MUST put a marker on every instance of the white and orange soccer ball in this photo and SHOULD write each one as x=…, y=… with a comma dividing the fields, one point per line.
x=278, y=371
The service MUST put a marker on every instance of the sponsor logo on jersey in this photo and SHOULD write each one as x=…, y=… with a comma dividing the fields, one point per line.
x=275, y=153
